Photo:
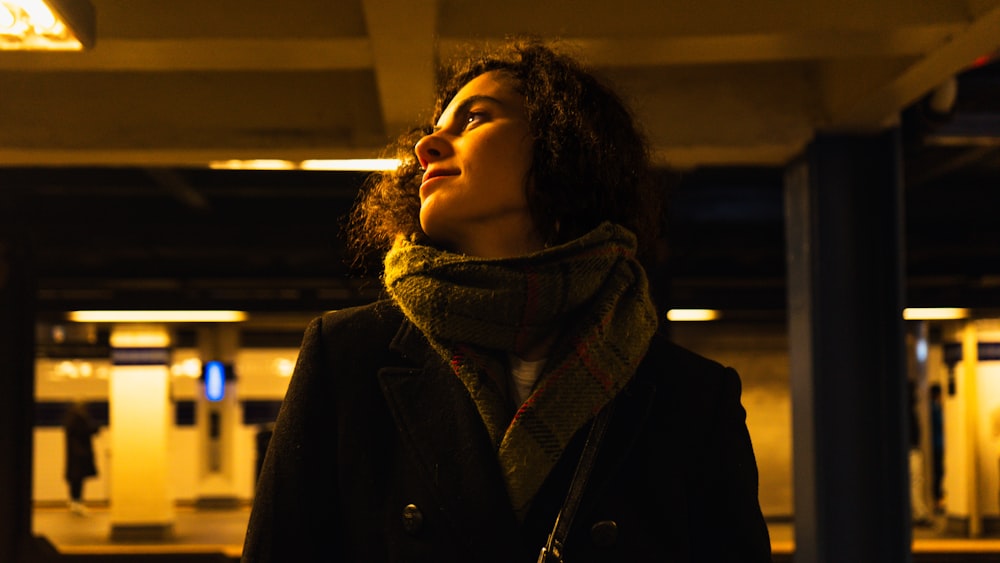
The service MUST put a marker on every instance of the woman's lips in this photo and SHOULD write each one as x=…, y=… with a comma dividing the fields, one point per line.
x=432, y=175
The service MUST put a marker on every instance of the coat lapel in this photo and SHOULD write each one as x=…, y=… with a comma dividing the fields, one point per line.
x=440, y=426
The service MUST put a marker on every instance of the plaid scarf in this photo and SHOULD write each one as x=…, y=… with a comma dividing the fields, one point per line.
x=591, y=292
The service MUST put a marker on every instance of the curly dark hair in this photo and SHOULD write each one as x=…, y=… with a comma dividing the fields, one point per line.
x=590, y=163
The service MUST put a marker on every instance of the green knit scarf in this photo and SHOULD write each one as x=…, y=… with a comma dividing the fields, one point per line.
x=591, y=292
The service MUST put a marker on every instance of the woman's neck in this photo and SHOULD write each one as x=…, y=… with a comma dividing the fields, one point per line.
x=500, y=238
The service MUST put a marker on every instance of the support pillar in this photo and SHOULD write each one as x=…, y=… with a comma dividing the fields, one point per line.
x=142, y=505
x=218, y=419
x=971, y=427
x=843, y=216
x=17, y=388
x=970, y=384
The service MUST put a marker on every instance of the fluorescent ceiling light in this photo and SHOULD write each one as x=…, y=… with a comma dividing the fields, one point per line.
x=46, y=25
x=157, y=316
x=337, y=165
x=934, y=313
x=358, y=164
x=257, y=164
x=692, y=315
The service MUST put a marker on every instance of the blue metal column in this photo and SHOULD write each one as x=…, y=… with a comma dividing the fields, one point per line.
x=843, y=213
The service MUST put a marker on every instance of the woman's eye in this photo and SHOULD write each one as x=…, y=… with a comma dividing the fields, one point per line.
x=474, y=117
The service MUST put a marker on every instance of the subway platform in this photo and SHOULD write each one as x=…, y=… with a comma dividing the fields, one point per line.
x=216, y=535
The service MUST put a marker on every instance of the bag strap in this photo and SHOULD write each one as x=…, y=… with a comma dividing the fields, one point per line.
x=552, y=552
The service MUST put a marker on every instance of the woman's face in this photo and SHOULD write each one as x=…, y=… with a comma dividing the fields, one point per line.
x=473, y=197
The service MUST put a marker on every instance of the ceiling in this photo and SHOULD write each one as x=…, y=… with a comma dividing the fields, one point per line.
x=103, y=153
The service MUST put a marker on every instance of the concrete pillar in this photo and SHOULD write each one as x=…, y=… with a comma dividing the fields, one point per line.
x=987, y=374
x=140, y=412
x=972, y=427
x=846, y=350
x=218, y=419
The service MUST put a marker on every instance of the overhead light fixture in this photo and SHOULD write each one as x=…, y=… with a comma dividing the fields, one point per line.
x=355, y=164
x=692, y=315
x=934, y=313
x=157, y=316
x=46, y=25
x=332, y=165
x=254, y=164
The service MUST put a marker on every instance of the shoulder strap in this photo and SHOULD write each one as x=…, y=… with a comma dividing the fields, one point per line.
x=552, y=552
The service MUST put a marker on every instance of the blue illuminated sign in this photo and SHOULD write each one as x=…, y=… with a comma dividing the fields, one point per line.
x=215, y=381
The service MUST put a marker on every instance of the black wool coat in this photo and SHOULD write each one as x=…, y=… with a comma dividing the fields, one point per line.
x=379, y=455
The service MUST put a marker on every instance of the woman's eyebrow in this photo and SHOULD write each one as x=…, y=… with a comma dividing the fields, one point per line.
x=467, y=103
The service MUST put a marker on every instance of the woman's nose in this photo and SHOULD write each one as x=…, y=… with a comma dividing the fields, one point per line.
x=431, y=148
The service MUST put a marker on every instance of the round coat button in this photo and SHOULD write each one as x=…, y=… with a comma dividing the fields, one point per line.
x=604, y=533
x=413, y=519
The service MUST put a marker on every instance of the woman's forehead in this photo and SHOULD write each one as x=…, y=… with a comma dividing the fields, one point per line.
x=493, y=85
x=503, y=80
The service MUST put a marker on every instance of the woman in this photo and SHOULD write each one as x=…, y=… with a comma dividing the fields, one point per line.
x=446, y=422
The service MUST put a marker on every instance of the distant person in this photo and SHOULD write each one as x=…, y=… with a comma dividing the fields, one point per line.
x=79, y=429
x=518, y=346
x=920, y=514
x=937, y=447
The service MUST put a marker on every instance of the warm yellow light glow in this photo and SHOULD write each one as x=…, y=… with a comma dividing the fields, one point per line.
x=352, y=164
x=256, y=164
x=692, y=315
x=190, y=367
x=284, y=367
x=934, y=313
x=7, y=18
x=39, y=14
x=333, y=165
x=158, y=316
x=60, y=25
x=137, y=335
